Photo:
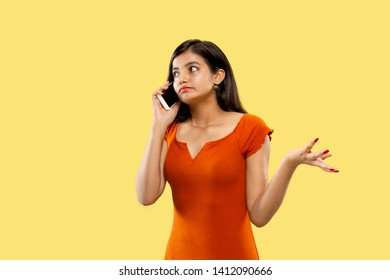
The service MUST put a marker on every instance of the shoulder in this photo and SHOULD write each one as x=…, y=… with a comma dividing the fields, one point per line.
x=170, y=133
x=253, y=122
x=254, y=118
x=251, y=132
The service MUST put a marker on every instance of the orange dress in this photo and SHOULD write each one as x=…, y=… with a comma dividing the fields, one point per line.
x=211, y=220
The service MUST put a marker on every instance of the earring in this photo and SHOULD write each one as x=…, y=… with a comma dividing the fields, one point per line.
x=216, y=87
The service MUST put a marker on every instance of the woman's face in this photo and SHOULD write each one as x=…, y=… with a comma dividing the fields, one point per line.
x=193, y=80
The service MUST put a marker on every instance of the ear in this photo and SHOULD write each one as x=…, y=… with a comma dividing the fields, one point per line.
x=219, y=76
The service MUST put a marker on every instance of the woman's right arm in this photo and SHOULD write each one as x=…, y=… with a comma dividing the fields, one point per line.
x=150, y=182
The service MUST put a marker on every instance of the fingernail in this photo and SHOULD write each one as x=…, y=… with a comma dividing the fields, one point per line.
x=325, y=152
x=315, y=140
x=334, y=170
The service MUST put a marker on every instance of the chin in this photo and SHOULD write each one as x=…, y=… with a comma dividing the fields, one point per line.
x=185, y=98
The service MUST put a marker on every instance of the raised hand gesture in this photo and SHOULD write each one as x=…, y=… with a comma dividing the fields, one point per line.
x=306, y=156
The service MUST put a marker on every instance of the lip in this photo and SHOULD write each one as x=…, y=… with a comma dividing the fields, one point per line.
x=183, y=89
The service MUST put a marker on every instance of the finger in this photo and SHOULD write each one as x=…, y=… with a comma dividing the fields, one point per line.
x=331, y=169
x=316, y=155
x=161, y=89
x=155, y=93
x=311, y=145
x=155, y=99
x=324, y=166
x=323, y=157
x=156, y=103
x=165, y=85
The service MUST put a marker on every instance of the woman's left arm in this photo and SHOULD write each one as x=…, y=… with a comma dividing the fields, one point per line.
x=263, y=198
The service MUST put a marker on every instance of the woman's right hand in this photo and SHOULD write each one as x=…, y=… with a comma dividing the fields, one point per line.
x=150, y=182
x=161, y=117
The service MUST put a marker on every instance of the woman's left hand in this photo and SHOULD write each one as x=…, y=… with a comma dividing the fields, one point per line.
x=306, y=156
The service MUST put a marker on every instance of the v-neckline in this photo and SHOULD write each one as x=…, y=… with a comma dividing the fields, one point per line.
x=194, y=157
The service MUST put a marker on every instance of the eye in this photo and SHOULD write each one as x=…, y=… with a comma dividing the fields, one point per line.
x=175, y=74
x=193, y=68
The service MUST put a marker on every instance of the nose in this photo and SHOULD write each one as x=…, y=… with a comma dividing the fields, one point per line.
x=183, y=77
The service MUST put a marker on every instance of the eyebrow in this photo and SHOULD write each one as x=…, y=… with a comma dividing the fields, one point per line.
x=187, y=64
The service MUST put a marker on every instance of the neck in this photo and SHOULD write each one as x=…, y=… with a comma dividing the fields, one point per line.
x=206, y=114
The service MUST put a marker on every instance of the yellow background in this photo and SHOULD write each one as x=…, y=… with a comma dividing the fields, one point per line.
x=75, y=83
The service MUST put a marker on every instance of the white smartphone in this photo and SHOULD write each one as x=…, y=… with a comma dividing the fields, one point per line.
x=169, y=97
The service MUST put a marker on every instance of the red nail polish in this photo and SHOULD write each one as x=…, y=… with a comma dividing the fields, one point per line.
x=315, y=140
x=325, y=152
x=334, y=170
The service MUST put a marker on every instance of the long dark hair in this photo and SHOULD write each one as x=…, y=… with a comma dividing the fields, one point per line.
x=227, y=93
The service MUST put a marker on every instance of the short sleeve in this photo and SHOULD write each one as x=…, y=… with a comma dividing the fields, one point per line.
x=252, y=134
x=170, y=134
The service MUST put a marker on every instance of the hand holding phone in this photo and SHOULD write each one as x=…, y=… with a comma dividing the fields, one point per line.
x=169, y=97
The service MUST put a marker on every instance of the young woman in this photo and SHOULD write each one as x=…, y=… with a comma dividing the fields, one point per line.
x=215, y=157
